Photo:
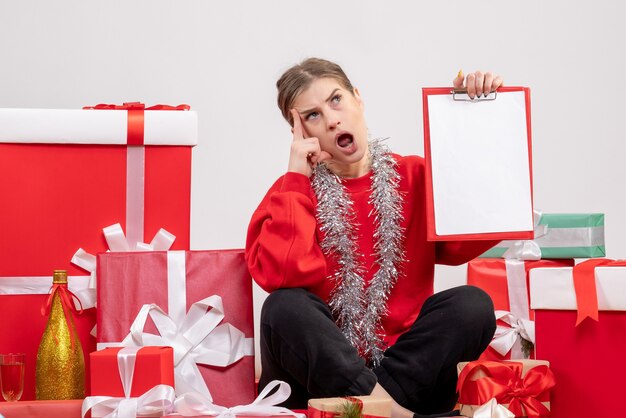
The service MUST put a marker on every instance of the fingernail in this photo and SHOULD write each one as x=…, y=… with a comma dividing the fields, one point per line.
x=460, y=73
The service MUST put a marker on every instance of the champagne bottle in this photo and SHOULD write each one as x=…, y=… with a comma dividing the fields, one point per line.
x=60, y=370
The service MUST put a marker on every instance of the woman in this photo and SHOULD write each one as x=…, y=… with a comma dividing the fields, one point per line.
x=339, y=241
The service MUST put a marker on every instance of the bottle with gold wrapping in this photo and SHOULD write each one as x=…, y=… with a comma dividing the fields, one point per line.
x=60, y=359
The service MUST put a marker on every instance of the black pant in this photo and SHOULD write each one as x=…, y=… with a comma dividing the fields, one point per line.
x=301, y=345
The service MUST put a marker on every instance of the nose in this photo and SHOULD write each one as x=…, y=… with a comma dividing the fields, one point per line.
x=332, y=121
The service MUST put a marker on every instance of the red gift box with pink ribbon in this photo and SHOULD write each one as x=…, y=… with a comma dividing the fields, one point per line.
x=67, y=174
x=580, y=315
x=506, y=282
x=198, y=302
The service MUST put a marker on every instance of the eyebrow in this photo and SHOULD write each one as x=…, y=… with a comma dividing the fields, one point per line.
x=329, y=98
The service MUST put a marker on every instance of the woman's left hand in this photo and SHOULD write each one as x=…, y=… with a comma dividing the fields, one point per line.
x=477, y=83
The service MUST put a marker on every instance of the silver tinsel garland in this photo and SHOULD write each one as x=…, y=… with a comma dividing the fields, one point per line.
x=358, y=309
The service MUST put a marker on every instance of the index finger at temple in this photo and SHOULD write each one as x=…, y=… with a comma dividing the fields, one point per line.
x=298, y=133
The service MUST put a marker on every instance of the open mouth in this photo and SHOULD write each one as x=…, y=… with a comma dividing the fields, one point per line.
x=345, y=140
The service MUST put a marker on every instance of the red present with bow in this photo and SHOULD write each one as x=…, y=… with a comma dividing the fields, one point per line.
x=522, y=386
x=69, y=173
x=130, y=382
x=580, y=329
x=112, y=375
x=506, y=282
x=198, y=302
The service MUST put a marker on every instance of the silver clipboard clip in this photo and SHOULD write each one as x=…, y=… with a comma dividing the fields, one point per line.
x=460, y=95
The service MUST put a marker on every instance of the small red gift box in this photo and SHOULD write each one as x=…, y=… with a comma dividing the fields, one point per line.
x=522, y=386
x=66, y=175
x=152, y=366
x=208, y=299
x=587, y=359
x=506, y=281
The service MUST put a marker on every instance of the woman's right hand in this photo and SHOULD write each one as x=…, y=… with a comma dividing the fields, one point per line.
x=305, y=152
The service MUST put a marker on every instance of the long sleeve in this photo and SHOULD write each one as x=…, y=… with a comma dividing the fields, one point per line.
x=454, y=253
x=282, y=248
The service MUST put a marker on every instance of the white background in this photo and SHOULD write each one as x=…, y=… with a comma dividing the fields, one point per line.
x=223, y=58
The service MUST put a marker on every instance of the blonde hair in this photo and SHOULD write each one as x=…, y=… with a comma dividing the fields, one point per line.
x=299, y=77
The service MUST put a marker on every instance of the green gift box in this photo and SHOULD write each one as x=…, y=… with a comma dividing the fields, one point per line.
x=568, y=235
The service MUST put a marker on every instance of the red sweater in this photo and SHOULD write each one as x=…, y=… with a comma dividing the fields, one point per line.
x=282, y=247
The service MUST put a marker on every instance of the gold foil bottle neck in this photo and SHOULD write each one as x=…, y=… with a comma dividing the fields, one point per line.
x=59, y=277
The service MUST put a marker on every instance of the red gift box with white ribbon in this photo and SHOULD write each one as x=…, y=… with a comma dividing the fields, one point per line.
x=113, y=376
x=198, y=302
x=66, y=175
x=580, y=316
x=131, y=381
x=506, y=282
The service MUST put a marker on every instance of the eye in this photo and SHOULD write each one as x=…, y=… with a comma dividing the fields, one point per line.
x=311, y=115
x=336, y=98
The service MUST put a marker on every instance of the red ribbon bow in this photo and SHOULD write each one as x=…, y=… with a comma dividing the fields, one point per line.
x=585, y=286
x=135, y=117
x=503, y=381
x=66, y=296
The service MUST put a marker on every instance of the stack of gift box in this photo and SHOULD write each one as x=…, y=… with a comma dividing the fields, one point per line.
x=557, y=349
x=177, y=324
x=83, y=190
x=172, y=331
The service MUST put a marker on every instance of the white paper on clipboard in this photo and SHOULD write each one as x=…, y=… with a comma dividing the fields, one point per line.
x=481, y=177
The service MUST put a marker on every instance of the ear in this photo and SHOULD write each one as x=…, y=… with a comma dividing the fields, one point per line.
x=358, y=98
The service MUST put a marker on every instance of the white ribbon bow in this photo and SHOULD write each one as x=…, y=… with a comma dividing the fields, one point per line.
x=193, y=403
x=506, y=338
x=158, y=400
x=491, y=409
x=155, y=402
x=196, y=339
x=528, y=249
x=117, y=242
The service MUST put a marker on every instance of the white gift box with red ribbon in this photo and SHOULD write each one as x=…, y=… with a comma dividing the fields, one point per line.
x=161, y=126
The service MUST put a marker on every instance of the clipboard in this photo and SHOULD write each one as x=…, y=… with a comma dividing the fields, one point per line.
x=478, y=165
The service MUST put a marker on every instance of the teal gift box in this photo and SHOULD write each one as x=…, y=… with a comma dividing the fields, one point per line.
x=567, y=235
